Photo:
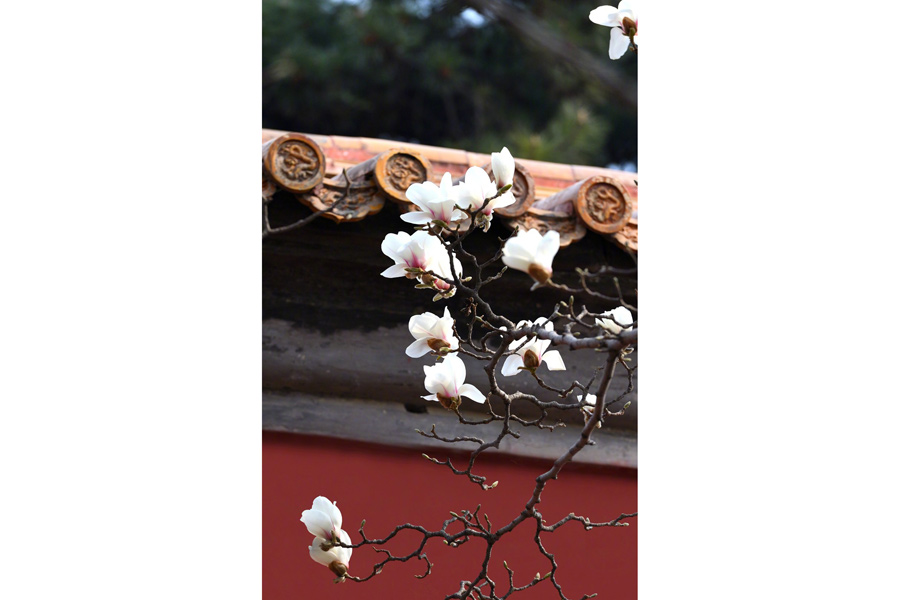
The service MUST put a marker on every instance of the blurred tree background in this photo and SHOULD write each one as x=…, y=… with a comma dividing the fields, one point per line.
x=533, y=75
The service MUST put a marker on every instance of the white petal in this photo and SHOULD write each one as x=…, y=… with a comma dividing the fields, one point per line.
x=446, y=184
x=418, y=348
x=504, y=200
x=520, y=248
x=458, y=215
x=477, y=178
x=417, y=218
x=547, y=249
x=321, y=556
x=553, y=360
x=618, y=43
x=540, y=346
x=395, y=271
x=466, y=197
x=503, y=167
x=618, y=319
x=457, y=369
x=602, y=15
x=608, y=325
x=317, y=523
x=590, y=399
x=511, y=365
x=544, y=323
x=432, y=397
x=423, y=325
x=514, y=262
x=394, y=244
x=343, y=554
x=472, y=392
x=424, y=194
x=330, y=509
x=623, y=316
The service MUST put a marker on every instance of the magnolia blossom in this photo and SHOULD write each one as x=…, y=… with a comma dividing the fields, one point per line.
x=619, y=321
x=533, y=253
x=336, y=558
x=431, y=333
x=416, y=251
x=504, y=167
x=477, y=189
x=323, y=519
x=424, y=252
x=446, y=382
x=437, y=203
x=623, y=21
x=531, y=354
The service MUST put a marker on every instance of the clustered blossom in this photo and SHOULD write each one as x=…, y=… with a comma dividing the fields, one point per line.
x=324, y=520
x=446, y=382
x=624, y=23
x=445, y=204
x=422, y=255
x=533, y=253
x=431, y=333
x=616, y=320
x=530, y=354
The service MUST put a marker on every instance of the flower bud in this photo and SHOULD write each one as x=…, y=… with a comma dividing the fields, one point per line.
x=339, y=569
x=448, y=402
x=530, y=359
x=539, y=273
x=437, y=345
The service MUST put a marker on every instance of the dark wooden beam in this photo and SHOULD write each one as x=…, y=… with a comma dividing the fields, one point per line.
x=392, y=424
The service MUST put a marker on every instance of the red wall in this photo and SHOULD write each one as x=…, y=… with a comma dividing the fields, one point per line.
x=389, y=486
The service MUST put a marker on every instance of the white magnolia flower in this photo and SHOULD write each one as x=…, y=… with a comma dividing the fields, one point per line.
x=323, y=519
x=336, y=558
x=476, y=189
x=418, y=250
x=619, y=321
x=504, y=167
x=533, y=253
x=531, y=354
x=431, y=333
x=446, y=382
x=437, y=203
x=623, y=21
x=424, y=251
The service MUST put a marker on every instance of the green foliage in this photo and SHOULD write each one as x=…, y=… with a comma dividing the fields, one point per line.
x=419, y=71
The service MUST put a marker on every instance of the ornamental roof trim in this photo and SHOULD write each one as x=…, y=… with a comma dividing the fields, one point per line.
x=571, y=199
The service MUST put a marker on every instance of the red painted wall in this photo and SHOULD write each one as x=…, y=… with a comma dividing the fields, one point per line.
x=390, y=486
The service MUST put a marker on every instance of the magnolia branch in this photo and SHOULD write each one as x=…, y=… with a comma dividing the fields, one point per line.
x=268, y=229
